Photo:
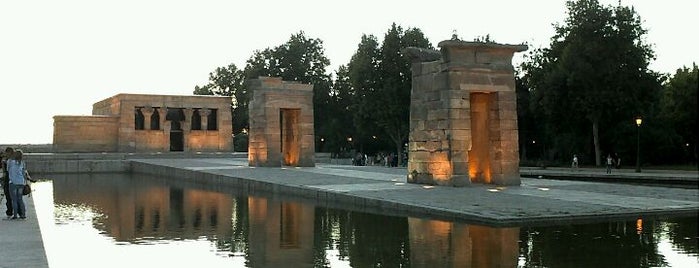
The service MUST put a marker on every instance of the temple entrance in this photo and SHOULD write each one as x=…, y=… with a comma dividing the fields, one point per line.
x=479, y=154
x=281, y=123
x=290, y=136
x=176, y=117
x=176, y=137
x=463, y=115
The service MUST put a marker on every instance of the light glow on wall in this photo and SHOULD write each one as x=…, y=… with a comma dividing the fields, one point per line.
x=479, y=154
x=440, y=167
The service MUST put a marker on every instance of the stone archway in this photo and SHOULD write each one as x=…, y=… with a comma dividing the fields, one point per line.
x=463, y=116
x=281, y=123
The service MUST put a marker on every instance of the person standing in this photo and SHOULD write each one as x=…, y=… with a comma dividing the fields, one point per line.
x=17, y=170
x=610, y=162
x=574, y=165
x=7, y=155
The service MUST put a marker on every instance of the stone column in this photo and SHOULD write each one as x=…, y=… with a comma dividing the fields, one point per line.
x=204, y=114
x=187, y=122
x=186, y=127
x=147, y=112
x=163, y=113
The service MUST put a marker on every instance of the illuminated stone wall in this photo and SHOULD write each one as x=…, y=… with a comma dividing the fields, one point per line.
x=281, y=123
x=435, y=243
x=280, y=233
x=463, y=115
x=113, y=125
x=85, y=133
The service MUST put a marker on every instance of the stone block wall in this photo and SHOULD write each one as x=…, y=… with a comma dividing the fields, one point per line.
x=85, y=133
x=132, y=140
x=120, y=134
x=281, y=112
x=463, y=118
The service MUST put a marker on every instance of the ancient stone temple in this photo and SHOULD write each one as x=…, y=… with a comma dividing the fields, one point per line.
x=281, y=123
x=463, y=115
x=148, y=123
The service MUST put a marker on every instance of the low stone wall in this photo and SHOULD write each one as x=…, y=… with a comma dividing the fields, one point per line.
x=30, y=148
x=46, y=162
x=42, y=163
x=85, y=133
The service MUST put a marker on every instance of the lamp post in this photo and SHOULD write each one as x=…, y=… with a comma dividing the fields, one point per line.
x=638, y=143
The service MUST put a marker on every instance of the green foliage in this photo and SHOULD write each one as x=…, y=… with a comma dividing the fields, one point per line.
x=594, y=75
x=300, y=59
x=381, y=79
x=336, y=129
x=240, y=142
x=678, y=108
x=228, y=81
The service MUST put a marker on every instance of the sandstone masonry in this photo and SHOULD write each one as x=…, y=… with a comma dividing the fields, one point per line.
x=463, y=115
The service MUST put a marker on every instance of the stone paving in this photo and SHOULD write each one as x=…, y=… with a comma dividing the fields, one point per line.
x=384, y=190
x=22, y=245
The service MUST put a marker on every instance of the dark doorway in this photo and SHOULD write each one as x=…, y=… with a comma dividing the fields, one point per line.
x=479, y=155
x=175, y=116
x=176, y=141
x=290, y=136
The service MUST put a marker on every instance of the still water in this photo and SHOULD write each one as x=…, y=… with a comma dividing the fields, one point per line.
x=123, y=220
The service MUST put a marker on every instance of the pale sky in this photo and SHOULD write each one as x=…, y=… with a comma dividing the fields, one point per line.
x=60, y=57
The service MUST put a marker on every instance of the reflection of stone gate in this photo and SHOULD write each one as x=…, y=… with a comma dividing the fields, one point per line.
x=463, y=115
x=281, y=123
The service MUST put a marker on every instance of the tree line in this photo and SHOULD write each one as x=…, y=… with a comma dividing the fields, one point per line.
x=580, y=95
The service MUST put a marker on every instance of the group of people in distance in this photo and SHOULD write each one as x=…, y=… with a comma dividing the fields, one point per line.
x=14, y=177
x=611, y=162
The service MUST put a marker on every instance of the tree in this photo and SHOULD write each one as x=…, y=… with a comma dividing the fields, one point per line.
x=363, y=78
x=678, y=107
x=228, y=81
x=300, y=59
x=381, y=78
x=595, y=71
x=335, y=130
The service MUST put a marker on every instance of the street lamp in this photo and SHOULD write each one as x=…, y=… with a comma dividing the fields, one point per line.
x=638, y=143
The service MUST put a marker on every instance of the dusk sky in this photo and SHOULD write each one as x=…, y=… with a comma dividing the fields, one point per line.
x=60, y=57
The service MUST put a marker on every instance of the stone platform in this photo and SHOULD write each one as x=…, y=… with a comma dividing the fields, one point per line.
x=385, y=191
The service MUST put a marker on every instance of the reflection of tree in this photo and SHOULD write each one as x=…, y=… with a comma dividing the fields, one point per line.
x=378, y=241
x=591, y=245
x=366, y=240
x=323, y=239
x=238, y=242
x=683, y=233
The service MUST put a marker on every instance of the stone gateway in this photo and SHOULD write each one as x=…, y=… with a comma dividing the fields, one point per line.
x=463, y=115
x=281, y=123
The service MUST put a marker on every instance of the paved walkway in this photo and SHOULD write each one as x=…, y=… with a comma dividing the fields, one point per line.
x=669, y=177
x=21, y=241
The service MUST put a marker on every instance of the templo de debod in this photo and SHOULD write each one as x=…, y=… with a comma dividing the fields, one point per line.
x=148, y=123
x=463, y=115
x=281, y=123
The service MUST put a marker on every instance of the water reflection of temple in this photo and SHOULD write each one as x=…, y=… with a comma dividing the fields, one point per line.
x=436, y=243
x=143, y=208
x=281, y=233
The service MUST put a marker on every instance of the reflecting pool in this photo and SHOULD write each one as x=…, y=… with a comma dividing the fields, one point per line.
x=124, y=220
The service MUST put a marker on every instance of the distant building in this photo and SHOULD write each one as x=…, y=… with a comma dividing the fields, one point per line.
x=148, y=123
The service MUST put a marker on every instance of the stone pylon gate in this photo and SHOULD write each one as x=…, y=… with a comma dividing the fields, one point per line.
x=463, y=115
x=281, y=123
